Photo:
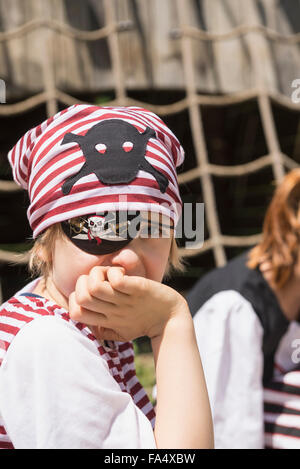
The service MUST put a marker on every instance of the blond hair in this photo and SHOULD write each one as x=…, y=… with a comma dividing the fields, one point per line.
x=40, y=255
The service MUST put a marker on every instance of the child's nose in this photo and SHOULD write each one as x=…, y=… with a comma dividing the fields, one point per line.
x=130, y=259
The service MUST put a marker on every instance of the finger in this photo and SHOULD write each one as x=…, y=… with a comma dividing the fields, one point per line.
x=125, y=283
x=80, y=314
x=85, y=299
x=103, y=290
x=101, y=272
x=97, y=306
x=82, y=293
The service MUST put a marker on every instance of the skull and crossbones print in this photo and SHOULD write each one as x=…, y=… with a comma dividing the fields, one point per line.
x=96, y=228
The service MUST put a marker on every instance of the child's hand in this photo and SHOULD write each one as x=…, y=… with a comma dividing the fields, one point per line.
x=124, y=307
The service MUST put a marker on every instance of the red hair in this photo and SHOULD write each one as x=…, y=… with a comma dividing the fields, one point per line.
x=280, y=243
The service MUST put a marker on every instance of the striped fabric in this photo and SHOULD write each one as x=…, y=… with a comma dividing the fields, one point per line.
x=41, y=164
x=19, y=310
x=282, y=411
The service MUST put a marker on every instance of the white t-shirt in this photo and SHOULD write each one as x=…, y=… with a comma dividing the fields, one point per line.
x=57, y=391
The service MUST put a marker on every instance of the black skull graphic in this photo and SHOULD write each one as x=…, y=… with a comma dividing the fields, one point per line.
x=114, y=151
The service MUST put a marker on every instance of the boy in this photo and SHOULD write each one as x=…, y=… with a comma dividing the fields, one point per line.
x=62, y=384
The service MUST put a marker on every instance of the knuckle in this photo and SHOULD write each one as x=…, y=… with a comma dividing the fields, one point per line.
x=98, y=272
x=93, y=286
x=75, y=313
x=81, y=291
x=95, y=279
x=81, y=281
x=116, y=283
x=95, y=271
x=82, y=297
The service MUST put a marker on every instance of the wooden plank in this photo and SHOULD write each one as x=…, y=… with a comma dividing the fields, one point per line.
x=150, y=57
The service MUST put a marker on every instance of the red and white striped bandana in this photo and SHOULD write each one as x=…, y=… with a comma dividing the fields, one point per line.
x=88, y=159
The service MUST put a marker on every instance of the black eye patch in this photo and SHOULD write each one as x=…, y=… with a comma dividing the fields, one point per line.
x=108, y=232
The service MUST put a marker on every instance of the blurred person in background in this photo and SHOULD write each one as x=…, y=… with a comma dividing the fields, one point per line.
x=247, y=321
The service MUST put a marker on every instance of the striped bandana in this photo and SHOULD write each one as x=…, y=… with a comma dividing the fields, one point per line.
x=88, y=159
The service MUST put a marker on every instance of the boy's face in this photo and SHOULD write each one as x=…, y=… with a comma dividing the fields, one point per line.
x=144, y=257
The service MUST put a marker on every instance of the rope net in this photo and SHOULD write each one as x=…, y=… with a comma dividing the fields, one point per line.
x=184, y=30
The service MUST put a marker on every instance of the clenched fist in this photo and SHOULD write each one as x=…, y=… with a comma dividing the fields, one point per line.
x=124, y=307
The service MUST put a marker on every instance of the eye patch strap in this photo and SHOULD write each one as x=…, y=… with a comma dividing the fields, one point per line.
x=155, y=223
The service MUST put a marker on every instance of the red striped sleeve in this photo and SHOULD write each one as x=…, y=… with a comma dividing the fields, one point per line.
x=136, y=388
x=6, y=445
x=9, y=329
x=15, y=315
